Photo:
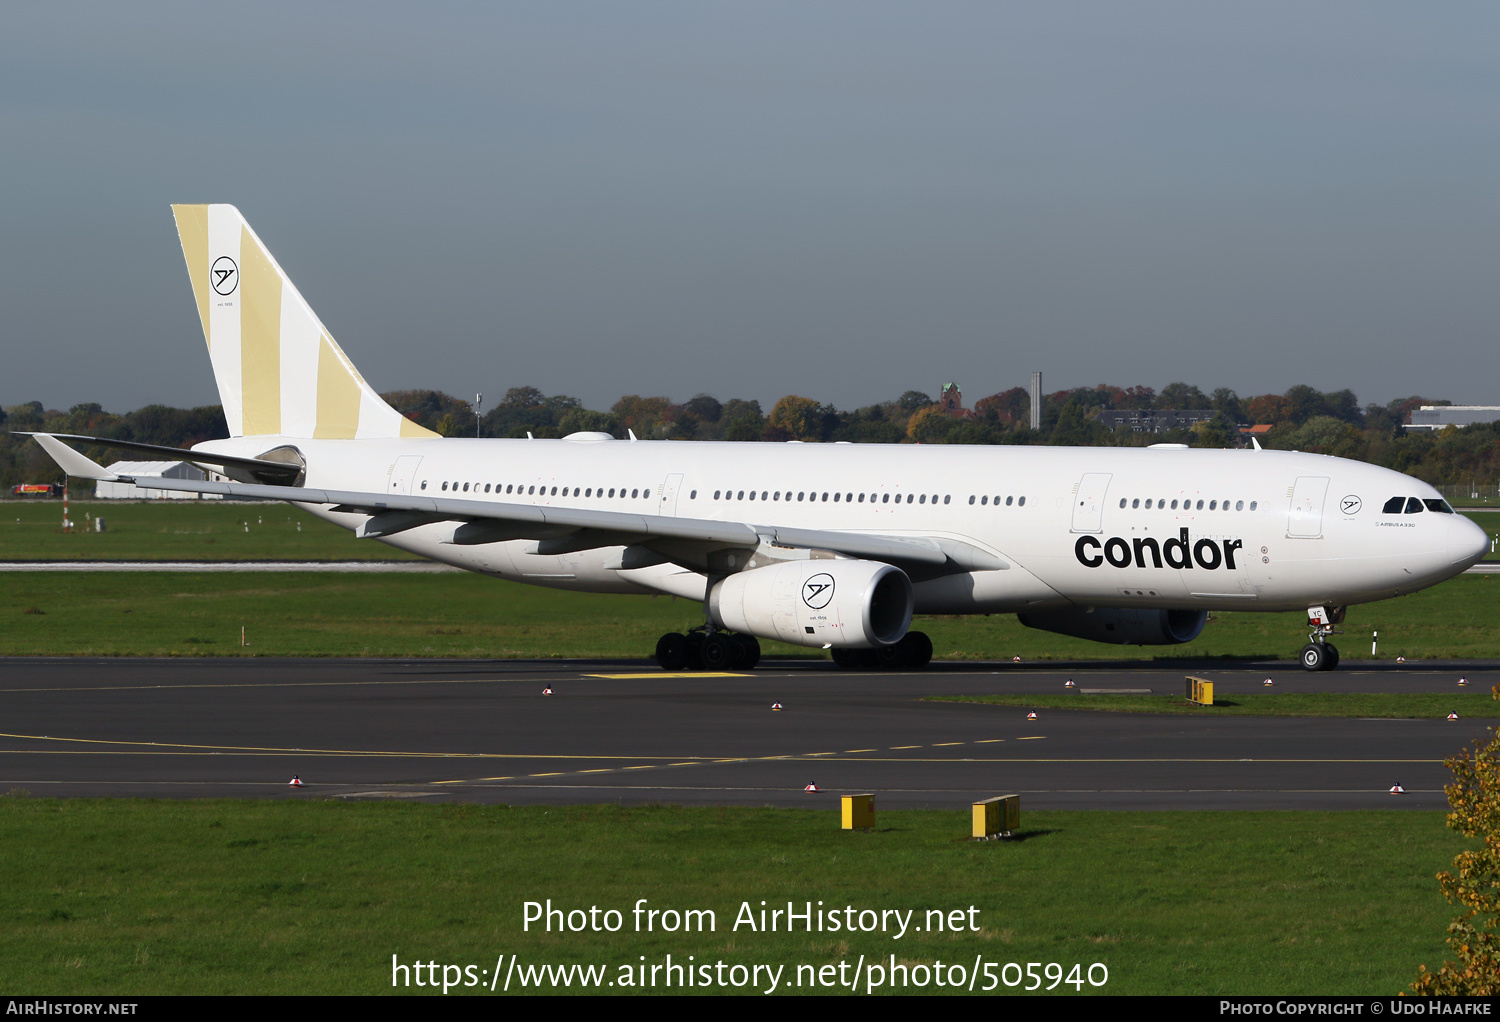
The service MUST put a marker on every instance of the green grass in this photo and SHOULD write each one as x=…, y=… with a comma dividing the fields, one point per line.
x=173, y=530
x=466, y=615
x=1418, y=705
x=150, y=897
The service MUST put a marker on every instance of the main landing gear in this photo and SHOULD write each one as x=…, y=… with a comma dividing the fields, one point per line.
x=1319, y=654
x=701, y=649
x=709, y=651
x=912, y=652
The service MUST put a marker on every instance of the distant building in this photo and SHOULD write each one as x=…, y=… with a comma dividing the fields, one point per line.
x=1155, y=420
x=146, y=469
x=1443, y=416
x=951, y=401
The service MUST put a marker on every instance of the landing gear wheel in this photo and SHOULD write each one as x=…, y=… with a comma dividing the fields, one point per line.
x=719, y=652
x=847, y=659
x=918, y=649
x=749, y=652
x=673, y=652
x=1315, y=657
x=1332, y=659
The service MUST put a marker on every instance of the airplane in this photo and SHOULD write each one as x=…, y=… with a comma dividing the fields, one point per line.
x=828, y=546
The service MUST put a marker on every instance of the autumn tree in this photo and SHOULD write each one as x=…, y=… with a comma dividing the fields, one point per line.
x=1474, y=797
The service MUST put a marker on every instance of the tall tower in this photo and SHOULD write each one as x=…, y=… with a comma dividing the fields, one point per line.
x=1036, y=400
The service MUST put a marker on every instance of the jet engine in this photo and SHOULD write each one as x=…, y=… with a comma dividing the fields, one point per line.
x=1121, y=626
x=839, y=603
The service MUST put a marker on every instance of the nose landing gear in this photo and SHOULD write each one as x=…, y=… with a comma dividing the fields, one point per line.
x=1319, y=654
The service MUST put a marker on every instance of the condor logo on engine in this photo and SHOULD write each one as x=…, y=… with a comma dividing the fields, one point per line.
x=1177, y=553
x=818, y=590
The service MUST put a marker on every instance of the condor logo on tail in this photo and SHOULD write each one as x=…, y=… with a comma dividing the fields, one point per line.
x=1176, y=553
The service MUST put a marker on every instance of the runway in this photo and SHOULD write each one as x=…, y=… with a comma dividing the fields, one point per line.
x=620, y=731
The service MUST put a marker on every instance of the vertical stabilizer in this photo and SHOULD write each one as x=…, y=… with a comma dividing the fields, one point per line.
x=279, y=370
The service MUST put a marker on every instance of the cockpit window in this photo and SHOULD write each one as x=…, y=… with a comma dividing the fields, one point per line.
x=1393, y=506
x=1440, y=506
x=1413, y=505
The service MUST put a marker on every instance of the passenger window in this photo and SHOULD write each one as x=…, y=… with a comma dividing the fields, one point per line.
x=1135, y=503
x=1122, y=501
x=1022, y=501
x=1213, y=505
x=1252, y=505
x=861, y=498
x=424, y=484
x=752, y=494
x=947, y=498
x=1239, y=505
x=1008, y=500
x=885, y=498
x=1174, y=505
x=1413, y=505
x=445, y=485
x=1200, y=505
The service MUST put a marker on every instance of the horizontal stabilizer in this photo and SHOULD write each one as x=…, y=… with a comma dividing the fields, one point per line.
x=71, y=462
x=273, y=472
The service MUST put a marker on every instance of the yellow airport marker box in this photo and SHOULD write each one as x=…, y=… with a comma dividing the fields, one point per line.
x=997, y=817
x=859, y=812
x=1200, y=691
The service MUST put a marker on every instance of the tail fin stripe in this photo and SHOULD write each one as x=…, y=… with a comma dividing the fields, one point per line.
x=260, y=338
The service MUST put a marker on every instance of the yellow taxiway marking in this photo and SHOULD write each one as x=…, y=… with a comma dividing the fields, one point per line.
x=987, y=741
x=1030, y=738
x=939, y=745
x=669, y=674
x=905, y=746
x=848, y=751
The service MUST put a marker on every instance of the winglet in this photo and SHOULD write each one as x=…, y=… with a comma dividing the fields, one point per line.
x=71, y=462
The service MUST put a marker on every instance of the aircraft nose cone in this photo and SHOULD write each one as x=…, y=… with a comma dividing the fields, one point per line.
x=1467, y=542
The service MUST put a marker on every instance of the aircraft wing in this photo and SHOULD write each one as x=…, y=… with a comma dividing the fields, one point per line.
x=690, y=542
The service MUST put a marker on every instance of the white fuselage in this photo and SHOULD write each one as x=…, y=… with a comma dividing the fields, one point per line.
x=1118, y=527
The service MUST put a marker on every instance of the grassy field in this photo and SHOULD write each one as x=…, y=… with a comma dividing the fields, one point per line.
x=301, y=614
x=169, y=530
x=1416, y=705
x=141, y=897
x=178, y=530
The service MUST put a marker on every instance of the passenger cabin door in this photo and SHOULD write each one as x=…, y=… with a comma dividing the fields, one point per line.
x=404, y=473
x=1305, y=521
x=1088, y=502
x=669, y=491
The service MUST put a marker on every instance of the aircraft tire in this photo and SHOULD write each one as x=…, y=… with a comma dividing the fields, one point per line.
x=749, y=651
x=1314, y=657
x=918, y=649
x=847, y=659
x=719, y=652
x=672, y=652
x=1333, y=656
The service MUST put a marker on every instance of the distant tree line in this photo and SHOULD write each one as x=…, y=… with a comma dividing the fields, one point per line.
x=1302, y=419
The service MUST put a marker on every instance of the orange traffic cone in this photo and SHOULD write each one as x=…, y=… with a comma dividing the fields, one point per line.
x=1396, y=789
x=547, y=691
x=1452, y=716
x=775, y=706
x=1031, y=715
x=1069, y=684
x=812, y=787
x=295, y=782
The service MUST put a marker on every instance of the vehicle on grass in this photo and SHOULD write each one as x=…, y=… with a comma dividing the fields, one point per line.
x=832, y=546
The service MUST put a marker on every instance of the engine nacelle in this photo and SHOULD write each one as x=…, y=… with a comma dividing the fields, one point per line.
x=1121, y=626
x=852, y=604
